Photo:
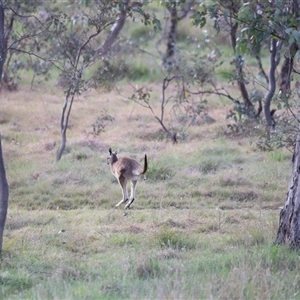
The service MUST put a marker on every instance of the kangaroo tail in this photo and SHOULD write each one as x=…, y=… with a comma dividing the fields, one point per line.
x=145, y=165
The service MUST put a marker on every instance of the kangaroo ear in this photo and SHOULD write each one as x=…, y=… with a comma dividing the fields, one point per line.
x=110, y=152
x=116, y=152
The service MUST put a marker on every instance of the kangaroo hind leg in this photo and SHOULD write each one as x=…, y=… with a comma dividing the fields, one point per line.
x=123, y=184
x=132, y=194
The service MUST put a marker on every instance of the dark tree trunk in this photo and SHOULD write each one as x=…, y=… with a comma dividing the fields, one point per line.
x=274, y=61
x=287, y=66
x=239, y=62
x=241, y=83
x=62, y=146
x=2, y=39
x=64, y=121
x=3, y=196
x=289, y=220
x=3, y=180
x=168, y=59
x=177, y=13
x=285, y=74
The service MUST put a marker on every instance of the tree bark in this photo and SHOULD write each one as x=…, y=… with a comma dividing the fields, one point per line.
x=274, y=61
x=287, y=66
x=3, y=180
x=2, y=39
x=177, y=13
x=286, y=71
x=4, y=193
x=289, y=219
x=64, y=121
x=168, y=59
x=114, y=32
x=239, y=64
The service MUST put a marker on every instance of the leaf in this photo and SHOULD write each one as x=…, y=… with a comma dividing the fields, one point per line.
x=241, y=46
x=279, y=106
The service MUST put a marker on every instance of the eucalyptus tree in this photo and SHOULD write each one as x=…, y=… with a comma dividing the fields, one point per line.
x=289, y=218
x=182, y=72
x=25, y=32
x=71, y=37
x=224, y=15
x=256, y=26
x=84, y=37
x=277, y=23
x=272, y=25
x=4, y=190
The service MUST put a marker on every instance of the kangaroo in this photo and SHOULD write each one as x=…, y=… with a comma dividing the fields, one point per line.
x=126, y=169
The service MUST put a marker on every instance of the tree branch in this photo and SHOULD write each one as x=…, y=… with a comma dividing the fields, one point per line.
x=115, y=30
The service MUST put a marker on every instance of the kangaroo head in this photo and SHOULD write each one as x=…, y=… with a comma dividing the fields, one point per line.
x=112, y=157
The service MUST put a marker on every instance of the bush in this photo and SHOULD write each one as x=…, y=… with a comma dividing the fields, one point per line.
x=138, y=71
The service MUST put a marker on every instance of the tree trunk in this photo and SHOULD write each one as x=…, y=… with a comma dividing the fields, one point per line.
x=289, y=220
x=4, y=193
x=168, y=59
x=3, y=180
x=2, y=39
x=239, y=64
x=177, y=13
x=64, y=120
x=287, y=66
x=274, y=61
x=114, y=32
x=285, y=74
x=62, y=146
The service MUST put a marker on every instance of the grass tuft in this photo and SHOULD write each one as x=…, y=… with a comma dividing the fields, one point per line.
x=170, y=238
x=148, y=268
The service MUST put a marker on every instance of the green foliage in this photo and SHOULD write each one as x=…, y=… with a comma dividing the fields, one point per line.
x=108, y=73
x=48, y=36
x=138, y=72
x=268, y=20
x=199, y=17
x=284, y=137
x=186, y=104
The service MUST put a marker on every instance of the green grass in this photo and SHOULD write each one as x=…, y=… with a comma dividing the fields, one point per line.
x=202, y=225
x=94, y=254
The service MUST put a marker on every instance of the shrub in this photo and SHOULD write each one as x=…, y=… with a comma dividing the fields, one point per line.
x=138, y=71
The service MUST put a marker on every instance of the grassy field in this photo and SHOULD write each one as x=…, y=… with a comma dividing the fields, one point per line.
x=202, y=226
